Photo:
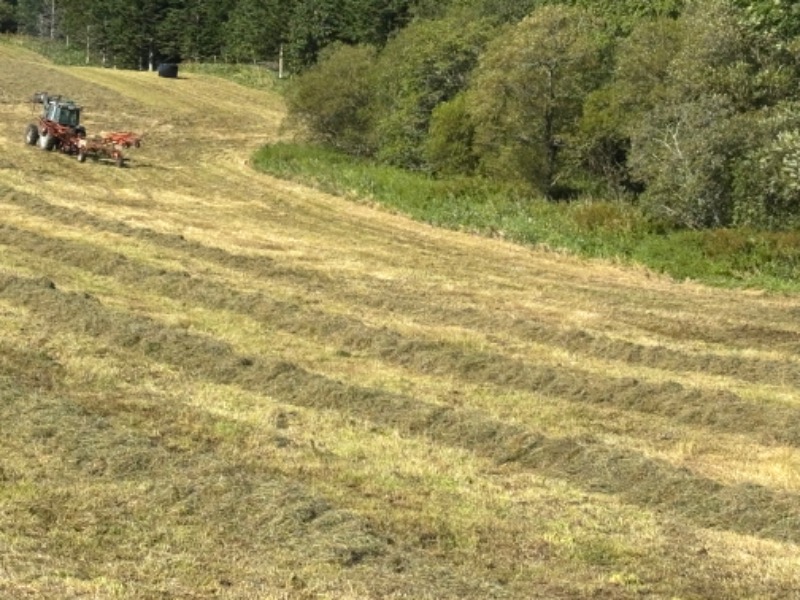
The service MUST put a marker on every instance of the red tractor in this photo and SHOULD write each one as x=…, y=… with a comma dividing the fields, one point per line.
x=59, y=129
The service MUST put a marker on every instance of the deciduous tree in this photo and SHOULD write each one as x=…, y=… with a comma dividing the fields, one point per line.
x=332, y=98
x=529, y=89
x=426, y=64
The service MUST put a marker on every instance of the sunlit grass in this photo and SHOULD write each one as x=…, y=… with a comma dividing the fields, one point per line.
x=218, y=383
x=589, y=227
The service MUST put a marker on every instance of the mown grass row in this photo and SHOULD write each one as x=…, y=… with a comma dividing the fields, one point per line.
x=589, y=227
x=344, y=512
x=484, y=365
x=575, y=340
x=720, y=412
x=584, y=460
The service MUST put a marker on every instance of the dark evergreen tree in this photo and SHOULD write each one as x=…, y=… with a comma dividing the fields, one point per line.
x=8, y=17
x=193, y=29
x=313, y=25
x=254, y=30
x=372, y=21
x=34, y=16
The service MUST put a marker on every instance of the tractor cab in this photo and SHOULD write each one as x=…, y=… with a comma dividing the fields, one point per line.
x=64, y=113
x=59, y=110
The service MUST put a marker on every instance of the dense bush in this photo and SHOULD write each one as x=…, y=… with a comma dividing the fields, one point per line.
x=424, y=66
x=528, y=93
x=766, y=185
x=449, y=147
x=333, y=98
x=669, y=105
x=684, y=153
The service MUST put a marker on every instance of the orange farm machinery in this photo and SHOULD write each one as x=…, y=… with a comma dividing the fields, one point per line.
x=59, y=128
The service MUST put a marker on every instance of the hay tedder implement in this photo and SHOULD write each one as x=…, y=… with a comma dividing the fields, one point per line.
x=59, y=129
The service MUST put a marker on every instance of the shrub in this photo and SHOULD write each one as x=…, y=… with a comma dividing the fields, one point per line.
x=449, y=145
x=424, y=65
x=528, y=92
x=332, y=98
x=684, y=155
x=767, y=181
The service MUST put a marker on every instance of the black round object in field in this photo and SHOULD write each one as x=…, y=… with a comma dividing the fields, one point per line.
x=168, y=70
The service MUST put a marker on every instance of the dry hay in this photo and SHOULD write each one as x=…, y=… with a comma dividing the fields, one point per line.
x=221, y=384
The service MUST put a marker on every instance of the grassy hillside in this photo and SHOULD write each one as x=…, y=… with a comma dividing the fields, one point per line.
x=592, y=228
x=214, y=383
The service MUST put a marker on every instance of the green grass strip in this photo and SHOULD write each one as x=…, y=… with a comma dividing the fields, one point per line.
x=593, y=228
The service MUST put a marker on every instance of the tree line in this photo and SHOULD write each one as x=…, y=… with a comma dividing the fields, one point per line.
x=687, y=108
x=136, y=33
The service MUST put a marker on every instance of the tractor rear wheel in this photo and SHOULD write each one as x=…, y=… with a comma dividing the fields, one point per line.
x=31, y=135
x=47, y=141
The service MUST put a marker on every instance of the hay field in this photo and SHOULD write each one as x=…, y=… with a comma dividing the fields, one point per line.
x=216, y=384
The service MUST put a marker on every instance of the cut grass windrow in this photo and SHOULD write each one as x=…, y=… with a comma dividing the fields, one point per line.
x=586, y=462
x=577, y=340
x=718, y=410
x=216, y=383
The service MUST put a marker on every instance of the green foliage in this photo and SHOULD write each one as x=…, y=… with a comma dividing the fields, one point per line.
x=253, y=76
x=767, y=180
x=601, y=144
x=683, y=153
x=506, y=11
x=715, y=55
x=32, y=18
x=528, y=93
x=314, y=24
x=253, y=31
x=732, y=257
x=8, y=20
x=726, y=257
x=449, y=145
x=701, y=124
x=332, y=98
x=424, y=65
x=642, y=70
x=129, y=33
x=374, y=21
x=624, y=15
x=779, y=19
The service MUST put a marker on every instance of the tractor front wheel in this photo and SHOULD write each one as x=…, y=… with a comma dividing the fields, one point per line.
x=31, y=135
x=47, y=141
